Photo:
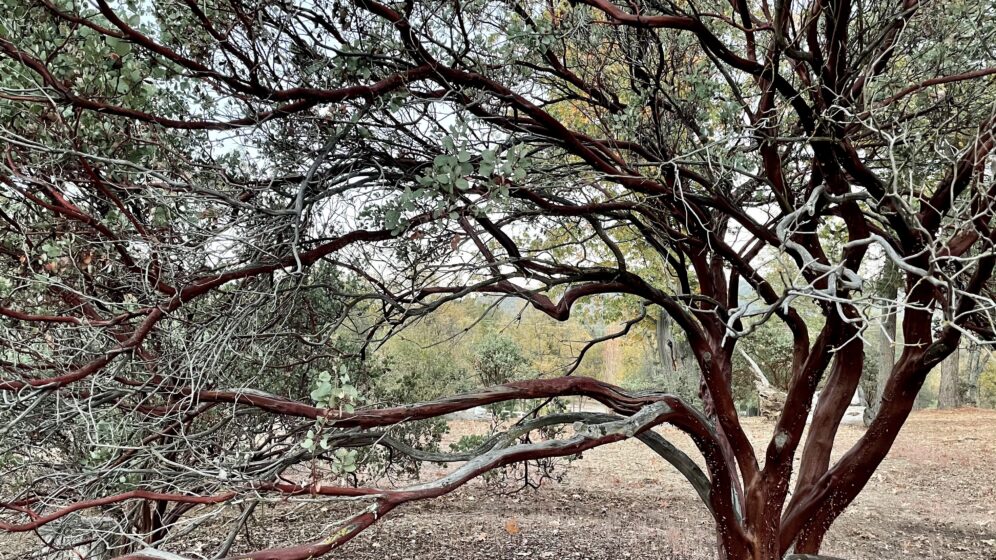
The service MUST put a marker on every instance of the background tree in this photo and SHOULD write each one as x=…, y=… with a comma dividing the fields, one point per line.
x=888, y=287
x=216, y=213
x=498, y=360
x=949, y=394
x=978, y=358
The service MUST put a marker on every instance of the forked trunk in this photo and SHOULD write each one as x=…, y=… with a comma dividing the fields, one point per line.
x=765, y=546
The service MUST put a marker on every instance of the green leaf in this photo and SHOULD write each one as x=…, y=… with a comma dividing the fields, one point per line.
x=52, y=250
x=391, y=218
x=120, y=47
x=160, y=216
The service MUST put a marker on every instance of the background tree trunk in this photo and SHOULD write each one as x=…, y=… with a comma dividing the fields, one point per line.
x=679, y=373
x=977, y=360
x=949, y=395
x=770, y=400
x=888, y=290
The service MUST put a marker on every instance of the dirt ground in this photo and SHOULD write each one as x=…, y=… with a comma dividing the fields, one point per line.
x=934, y=497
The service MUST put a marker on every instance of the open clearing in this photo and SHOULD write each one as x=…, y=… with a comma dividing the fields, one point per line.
x=933, y=497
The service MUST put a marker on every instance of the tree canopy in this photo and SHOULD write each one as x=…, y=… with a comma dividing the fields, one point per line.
x=215, y=213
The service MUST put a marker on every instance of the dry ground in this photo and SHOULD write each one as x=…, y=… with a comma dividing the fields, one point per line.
x=933, y=498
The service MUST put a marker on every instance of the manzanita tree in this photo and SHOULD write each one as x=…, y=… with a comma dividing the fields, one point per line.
x=213, y=211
